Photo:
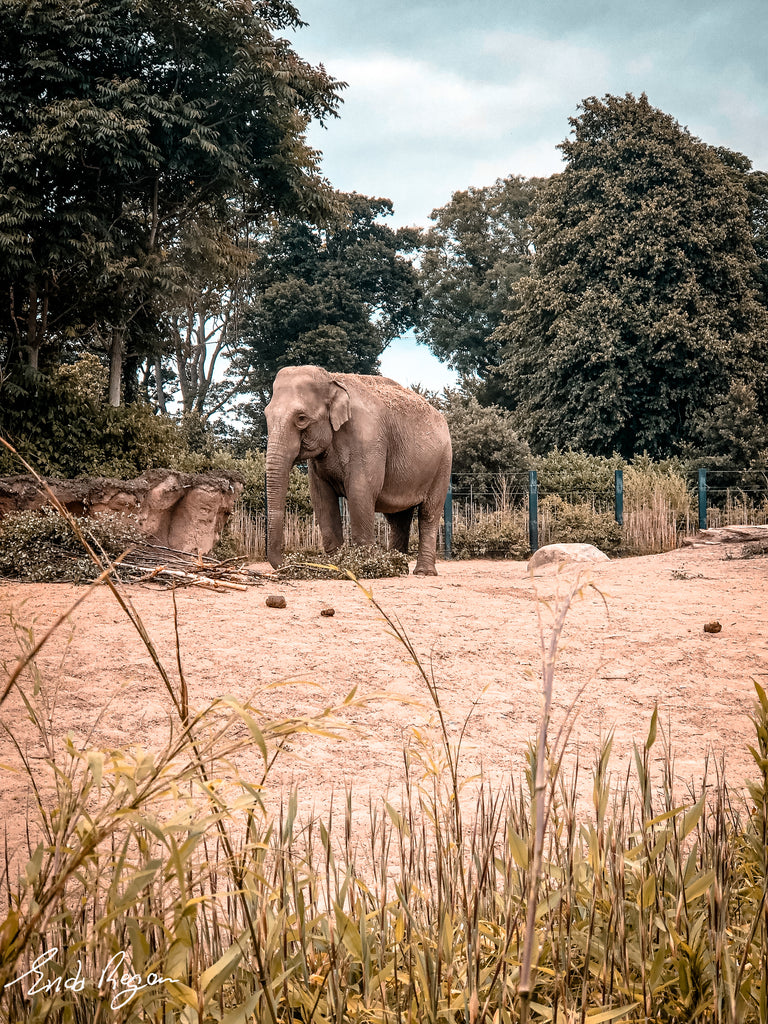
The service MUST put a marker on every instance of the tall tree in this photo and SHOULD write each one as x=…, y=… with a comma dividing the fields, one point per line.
x=642, y=309
x=201, y=324
x=479, y=247
x=122, y=121
x=333, y=296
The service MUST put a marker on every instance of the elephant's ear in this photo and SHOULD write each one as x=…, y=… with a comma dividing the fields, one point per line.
x=339, y=406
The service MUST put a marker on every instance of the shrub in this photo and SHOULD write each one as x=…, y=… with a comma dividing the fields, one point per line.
x=492, y=535
x=362, y=561
x=574, y=473
x=42, y=547
x=485, y=444
x=564, y=523
x=56, y=425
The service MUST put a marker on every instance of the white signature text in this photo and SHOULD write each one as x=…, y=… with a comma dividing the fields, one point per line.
x=124, y=987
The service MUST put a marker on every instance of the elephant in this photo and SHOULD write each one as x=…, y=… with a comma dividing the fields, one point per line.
x=381, y=446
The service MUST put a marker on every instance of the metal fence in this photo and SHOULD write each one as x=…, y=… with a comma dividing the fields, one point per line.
x=716, y=496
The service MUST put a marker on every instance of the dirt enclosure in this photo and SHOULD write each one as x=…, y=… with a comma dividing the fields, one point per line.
x=636, y=639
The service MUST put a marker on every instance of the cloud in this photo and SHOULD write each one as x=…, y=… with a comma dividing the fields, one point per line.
x=417, y=100
x=408, y=362
x=415, y=131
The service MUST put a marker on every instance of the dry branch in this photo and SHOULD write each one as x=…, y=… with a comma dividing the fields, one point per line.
x=171, y=567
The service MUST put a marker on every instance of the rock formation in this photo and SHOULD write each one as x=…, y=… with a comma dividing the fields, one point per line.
x=727, y=535
x=186, y=511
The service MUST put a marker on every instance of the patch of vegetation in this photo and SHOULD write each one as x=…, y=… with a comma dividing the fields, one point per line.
x=579, y=524
x=43, y=547
x=567, y=473
x=491, y=535
x=752, y=549
x=361, y=561
x=65, y=433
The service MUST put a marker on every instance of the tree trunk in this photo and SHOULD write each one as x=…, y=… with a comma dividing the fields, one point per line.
x=159, y=384
x=37, y=325
x=116, y=352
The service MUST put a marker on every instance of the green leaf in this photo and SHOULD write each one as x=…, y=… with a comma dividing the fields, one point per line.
x=652, y=729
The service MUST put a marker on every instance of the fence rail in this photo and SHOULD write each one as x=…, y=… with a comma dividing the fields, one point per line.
x=715, y=497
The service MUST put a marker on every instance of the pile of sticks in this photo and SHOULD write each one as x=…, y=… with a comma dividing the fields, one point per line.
x=170, y=567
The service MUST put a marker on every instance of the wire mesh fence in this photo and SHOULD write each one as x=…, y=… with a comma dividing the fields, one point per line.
x=656, y=515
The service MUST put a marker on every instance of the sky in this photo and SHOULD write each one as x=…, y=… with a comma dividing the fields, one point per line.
x=444, y=94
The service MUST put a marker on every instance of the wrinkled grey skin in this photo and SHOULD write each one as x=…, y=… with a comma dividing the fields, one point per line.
x=379, y=445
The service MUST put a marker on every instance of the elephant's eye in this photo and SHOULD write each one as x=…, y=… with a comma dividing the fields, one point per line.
x=302, y=421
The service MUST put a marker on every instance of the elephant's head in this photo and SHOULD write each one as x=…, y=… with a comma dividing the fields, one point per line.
x=308, y=405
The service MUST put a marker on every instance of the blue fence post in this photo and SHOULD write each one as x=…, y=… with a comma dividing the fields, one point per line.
x=533, y=510
x=619, y=487
x=702, y=499
x=448, y=518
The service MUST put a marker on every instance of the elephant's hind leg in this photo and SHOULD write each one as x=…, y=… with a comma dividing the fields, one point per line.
x=399, y=529
x=430, y=511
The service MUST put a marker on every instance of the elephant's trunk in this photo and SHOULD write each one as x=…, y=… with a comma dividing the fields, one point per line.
x=280, y=460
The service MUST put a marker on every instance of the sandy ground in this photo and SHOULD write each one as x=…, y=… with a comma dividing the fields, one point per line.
x=635, y=640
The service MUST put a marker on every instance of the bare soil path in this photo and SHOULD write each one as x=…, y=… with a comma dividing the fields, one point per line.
x=637, y=643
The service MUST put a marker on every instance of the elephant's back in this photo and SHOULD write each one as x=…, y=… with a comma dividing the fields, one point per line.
x=400, y=401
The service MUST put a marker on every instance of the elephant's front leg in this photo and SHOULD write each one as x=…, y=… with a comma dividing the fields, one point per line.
x=325, y=504
x=361, y=502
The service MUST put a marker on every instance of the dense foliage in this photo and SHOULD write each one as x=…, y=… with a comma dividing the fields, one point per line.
x=642, y=312
x=480, y=245
x=333, y=296
x=44, y=546
x=123, y=123
x=63, y=432
x=485, y=444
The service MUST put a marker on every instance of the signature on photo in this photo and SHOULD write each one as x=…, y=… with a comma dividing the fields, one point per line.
x=124, y=987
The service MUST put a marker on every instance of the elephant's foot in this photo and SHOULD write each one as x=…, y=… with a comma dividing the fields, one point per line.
x=424, y=570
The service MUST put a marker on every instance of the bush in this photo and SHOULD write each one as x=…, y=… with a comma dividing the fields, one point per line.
x=569, y=473
x=564, y=523
x=485, y=445
x=55, y=424
x=42, y=546
x=492, y=535
x=362, y=561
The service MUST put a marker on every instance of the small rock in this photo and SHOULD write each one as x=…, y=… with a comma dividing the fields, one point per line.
x=712, y=627
x=328, y=612
x=275, y=601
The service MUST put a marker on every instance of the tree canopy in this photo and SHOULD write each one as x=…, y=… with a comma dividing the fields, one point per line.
x=335, y=295
x=643, y=308
x=122, y=122
x=479, y=247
